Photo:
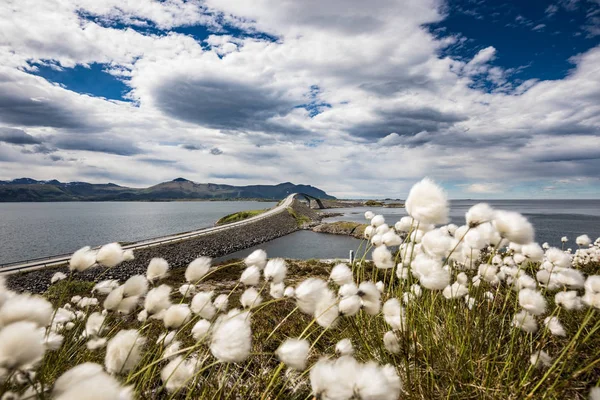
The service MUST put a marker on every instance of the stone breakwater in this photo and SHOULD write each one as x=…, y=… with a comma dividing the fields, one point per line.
x=179, y=254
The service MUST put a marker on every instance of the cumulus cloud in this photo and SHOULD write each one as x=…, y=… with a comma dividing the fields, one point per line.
x=16, y=136
x=484, y=188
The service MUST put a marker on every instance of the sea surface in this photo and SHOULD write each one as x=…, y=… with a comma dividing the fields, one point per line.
x=34, y=230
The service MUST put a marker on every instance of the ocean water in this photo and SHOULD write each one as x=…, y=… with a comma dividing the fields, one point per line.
x=33, y=230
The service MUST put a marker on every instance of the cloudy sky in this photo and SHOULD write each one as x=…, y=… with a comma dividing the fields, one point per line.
x=491, y=98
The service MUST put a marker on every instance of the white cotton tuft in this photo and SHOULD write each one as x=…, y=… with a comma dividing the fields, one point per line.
x=221, y=302
x=75, y=375
x=540, y=359
x=25, y=307
x=583, y=241
x=427, y=203
x=569, y=300
x=462, y=278
x=157, y=269
x=275, y=270
x=187, y=290
x=177, y=315
x=393, y=314
x=200, y=331
x=178, y=374
x=455, y=291
x=258, y=258
x=105, y=287
x=250, y=298
x=435, y=279
x=202, y=305
x=232, y=338
x=289, y=292
x=391, y=239
x=368, y=291
x=369, y=215
x=123, y=351
x=404, y=225
x=251, y=276
x=59, y=276
x=532, y=301
x=558, y=257
x=533, y=252
x=349, y=306
x=82, y=259
x=479, y=214
x=437, y=243
x=114, y=298
x=382, y=258
x=391, y=342
x=344, y=348
x=276, y=290
x=525, y=321
x=555, y=327
x=88, y=381
x=377, y=240
x=369, y=232
x=197, y=269
x=95, y=343
x=137, y=285
x=158, y=299
x=514, y=227
x=382, y=229
x=380, y=286
x=21, y=345
x=571, y=278
x=327, y=310
x=377, y=220
x=128, y=255
x=307, y=294
x=110, y=255
x=94, y=325
x=294, y=353
x=595, y=393
x=341, y=274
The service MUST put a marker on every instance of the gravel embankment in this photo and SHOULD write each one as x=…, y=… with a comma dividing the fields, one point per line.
x=178, y=254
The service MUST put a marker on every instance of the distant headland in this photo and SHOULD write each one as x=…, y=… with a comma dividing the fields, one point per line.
x=31, y=190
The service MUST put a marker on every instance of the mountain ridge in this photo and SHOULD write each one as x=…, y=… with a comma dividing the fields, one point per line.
x=31, y=190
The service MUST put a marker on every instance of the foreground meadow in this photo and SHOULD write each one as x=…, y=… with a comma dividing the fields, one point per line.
x=479, y=311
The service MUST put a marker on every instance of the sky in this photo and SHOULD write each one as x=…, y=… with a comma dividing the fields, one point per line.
x=490, y=98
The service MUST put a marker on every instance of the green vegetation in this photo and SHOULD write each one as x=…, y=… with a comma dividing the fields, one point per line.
x=239, y=216
x=373, y=203
x=300, y=219
x=354, y=229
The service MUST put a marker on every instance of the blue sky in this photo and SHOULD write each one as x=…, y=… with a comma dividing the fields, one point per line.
x=493, y=99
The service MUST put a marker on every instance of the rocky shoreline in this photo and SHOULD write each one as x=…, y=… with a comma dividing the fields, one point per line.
x=180, y=254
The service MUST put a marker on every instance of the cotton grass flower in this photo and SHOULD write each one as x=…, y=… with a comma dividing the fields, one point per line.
x=187, y=290
x=197, y=269
x=276, y=290
x=382, y=258
x=59, y=276
x=178, y=374
x=294, y=353
x=110, y=255
x=427, y=203
x=533, y=252
x=250, y=276
x=221, y=302
x=525, y=321
x=95, y=343
x=532, y=301
x=94, y=325
x=377, y=220
x=308, y=293
x=258, y=258
x=82, y=259
x=393, y=314
x=25, y=307
x=583, y=241
x=106, y=286
x=369, y=215
x=200, y=330
x=250, y=298
x=555, y=327
x=177, y=315
x=21, y=344
x=124, y=351
x=344, y=347
x=157, y=269
x=350, y=306
x=114, y=298
x=232, y=338
x=569, y=300
x=128, y=305
x=540, y=359
x=341, y=274
x=128, y=255
x=137, y=285
x=479, y=214
x=391, y=343
x=513, y=226
x=158, y=299
x=455, y=291
x=275, y=270
x=327, y=310
x=391, y=239
x=202, y=305
x=88, y=381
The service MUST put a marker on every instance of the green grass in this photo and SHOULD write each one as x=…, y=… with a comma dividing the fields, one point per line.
x=300, y=219
x=239, y=216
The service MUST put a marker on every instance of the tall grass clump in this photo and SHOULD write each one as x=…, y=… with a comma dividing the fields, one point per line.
x=478, y=311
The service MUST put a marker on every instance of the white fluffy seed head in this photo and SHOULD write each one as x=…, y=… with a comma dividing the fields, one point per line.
x=479, y=214
x=137, y=285
x=294, y=353
x=250, y=298
x=275, y=270
x=59, y=276
x=25, y=307
x=554, y=326
x=21, y=344
x=110, y=255
x=258, y=258
x=157, y=269
x=382, y=258
x=377, y=220
x=369, y=215
x=124, y=351
x=82, y=259
x=158, y=299
x=341, y=274
x=221, y=302
x=251, y=276
x=344, y=348
x=308, y=293
x=200, y=331
x=583, y=241
x=513, y=226
x=202, y=305
x=391, y=342
x=427, y=203
x=525, y=321
x=177, y=315
x=197, y=269
x=232, y=338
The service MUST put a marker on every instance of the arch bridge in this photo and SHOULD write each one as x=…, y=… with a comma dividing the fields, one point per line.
x=309, y=199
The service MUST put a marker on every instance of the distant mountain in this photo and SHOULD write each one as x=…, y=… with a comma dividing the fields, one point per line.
x=27, y=189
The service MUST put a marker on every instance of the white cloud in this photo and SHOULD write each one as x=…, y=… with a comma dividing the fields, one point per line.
x=485, y=188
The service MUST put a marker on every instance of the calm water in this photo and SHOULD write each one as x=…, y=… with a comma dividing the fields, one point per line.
x=552, y=219
x=30, y=230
